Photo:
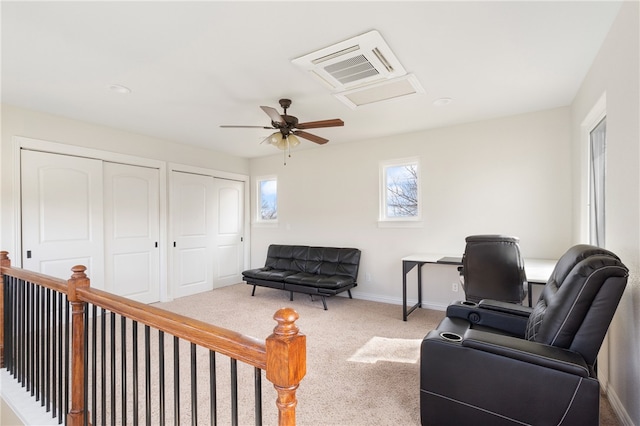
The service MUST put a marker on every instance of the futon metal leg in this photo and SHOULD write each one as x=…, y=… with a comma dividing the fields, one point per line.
x=253, y=293
x=291, y=296
x=349, y=292
x=324, y=302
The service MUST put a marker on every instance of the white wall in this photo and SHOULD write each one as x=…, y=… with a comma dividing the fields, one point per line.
x=615, y=72
x=509, y=175
x=35, y=125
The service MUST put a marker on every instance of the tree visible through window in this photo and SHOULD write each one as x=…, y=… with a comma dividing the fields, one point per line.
x=401, y=194
x=268, y=199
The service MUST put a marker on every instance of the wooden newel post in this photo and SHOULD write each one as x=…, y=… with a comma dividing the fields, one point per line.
x=4, y=262
x=79, y=279
x=286, y=363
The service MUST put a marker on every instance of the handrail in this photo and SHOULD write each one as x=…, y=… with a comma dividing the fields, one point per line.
x=230, y=343
x=282, y=355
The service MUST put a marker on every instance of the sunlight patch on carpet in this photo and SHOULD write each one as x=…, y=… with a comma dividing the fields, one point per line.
x=386, y=349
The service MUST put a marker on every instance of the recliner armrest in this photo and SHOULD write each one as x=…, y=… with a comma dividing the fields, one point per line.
x=507, y=320
x=510, y=308
x=527, y=351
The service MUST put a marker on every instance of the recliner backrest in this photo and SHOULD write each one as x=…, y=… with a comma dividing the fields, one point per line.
x=578, y=302
x=492, y=268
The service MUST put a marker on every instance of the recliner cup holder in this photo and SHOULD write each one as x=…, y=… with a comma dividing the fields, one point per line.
x=451, y=337
x=468, y=303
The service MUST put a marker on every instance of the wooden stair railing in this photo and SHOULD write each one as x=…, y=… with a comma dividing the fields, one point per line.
x=282, y=355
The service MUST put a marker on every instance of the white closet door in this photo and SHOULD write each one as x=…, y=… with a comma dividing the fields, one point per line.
x=192, y=231
x=229, y=232
x=132, y=227
x=62, y=215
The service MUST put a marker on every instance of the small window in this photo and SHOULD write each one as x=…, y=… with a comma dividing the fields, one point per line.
x=597, y=176
x=267, y=199
x=400, y=190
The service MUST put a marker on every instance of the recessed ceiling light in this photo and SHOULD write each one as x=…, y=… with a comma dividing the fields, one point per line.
x=119, y=88
x=442, y=101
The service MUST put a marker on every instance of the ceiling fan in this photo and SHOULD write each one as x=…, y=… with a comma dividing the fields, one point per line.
x=288, y=127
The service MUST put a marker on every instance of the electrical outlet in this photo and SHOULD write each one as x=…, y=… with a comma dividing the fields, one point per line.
x=454, y=287
x=367, y=277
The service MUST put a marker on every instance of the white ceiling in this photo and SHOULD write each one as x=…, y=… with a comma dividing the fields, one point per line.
x=193, y=66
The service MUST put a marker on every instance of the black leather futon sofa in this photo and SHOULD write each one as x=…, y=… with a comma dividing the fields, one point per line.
x=322, y=271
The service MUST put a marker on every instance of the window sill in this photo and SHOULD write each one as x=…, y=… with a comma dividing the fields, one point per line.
x=400, y=224
x=273, y=224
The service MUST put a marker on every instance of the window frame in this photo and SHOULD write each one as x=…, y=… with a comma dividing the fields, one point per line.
x=259, y=197
x=398, y=221
x=596, y=114
x=597, y=195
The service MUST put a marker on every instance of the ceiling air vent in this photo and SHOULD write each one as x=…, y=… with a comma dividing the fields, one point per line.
x=383, y=91
x=361, y=70
x=360, y=60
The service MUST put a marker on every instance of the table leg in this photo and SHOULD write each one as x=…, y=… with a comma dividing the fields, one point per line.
x=407, y=266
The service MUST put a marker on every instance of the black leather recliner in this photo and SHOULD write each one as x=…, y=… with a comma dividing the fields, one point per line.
x=497, y=363
x=492, y=268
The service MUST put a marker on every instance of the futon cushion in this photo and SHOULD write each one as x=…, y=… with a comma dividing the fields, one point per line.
x=267, y=273
x=319, y=281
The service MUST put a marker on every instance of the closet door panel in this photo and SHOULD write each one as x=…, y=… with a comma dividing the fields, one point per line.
x=132, y=227
x=229, y=232
x=62, y=215
x=192, y=231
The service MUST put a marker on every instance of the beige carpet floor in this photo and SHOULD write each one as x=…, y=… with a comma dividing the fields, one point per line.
x=359, y=353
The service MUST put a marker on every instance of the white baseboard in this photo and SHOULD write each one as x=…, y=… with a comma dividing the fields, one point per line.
x=618, y=408
x=397, y=301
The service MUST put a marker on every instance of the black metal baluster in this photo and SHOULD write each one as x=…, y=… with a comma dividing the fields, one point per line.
x=212, y=388
x=258, y=389
x=176, y=380
x=162, y=386
x=67, y=353
x=61, y=324
x=47, y=369
x=54, y=348
x=20, y=334
x=123, y=376
x=134, y=337
x=147, y=376
x=37, y=338
x=103, y=367
x=112, y=345
x=234, y=392
x=94, y=366
x=8, y=322
x=29, y=333
x=43, y=346
x=194, y=387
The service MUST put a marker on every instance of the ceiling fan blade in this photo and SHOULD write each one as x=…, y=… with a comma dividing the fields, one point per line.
x=267, y=140
x=273, y=114
x=246, y=127
x=312, y=138
x=336, y=122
